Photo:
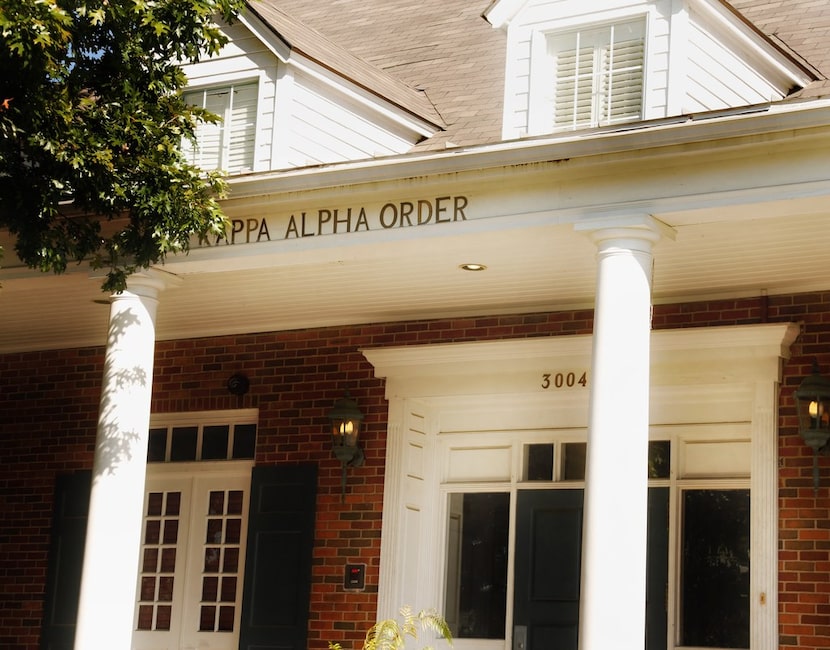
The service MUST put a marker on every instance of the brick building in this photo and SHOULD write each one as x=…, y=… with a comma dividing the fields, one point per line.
x=570, y=266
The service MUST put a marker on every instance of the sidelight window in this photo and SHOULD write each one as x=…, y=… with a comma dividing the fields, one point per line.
x=476, y=585
x=715, y=569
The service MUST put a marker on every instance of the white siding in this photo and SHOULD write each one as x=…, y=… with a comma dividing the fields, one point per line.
x=244, y=58
x=695, y=61
x=718, y=76
x=327, y=126
x=306, y=115
x=656, y=90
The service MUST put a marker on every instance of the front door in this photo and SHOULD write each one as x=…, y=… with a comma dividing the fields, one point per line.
x=548, y=562
x=548, y=565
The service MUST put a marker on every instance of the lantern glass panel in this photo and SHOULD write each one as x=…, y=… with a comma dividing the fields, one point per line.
x=345, y=432
x=814, y=413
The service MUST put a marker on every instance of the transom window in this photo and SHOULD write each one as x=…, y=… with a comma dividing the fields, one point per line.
x=221, y=441
x=228, y=144
x=597, y=75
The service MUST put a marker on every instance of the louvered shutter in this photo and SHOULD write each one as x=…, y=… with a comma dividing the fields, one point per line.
x=228, y=144
x=621, y=83
x=210, y=136
x=241, y=121
x=598, y=78
x=574, y=88
x=66, y=555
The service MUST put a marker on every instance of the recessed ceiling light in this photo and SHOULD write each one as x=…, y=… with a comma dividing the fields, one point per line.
x=472, y=267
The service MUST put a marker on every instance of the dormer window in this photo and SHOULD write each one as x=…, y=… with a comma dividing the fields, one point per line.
x=589, y=77
x=228, y=144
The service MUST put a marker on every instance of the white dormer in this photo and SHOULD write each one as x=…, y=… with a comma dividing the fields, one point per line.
x=572, y=64
x=288, y=97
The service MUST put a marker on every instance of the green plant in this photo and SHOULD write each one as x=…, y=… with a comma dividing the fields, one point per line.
x=391, y=633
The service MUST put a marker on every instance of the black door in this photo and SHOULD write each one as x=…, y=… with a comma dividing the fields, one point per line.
x=548, y=565
x=548, y=560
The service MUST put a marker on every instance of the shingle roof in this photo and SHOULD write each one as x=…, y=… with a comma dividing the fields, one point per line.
x=301, y=37
x=803, y=26
x=443, y=47
x=446, y=49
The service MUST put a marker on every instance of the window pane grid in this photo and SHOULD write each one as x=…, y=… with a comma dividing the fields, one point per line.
x=205, y=442
x=161, y=527
x=221, y=566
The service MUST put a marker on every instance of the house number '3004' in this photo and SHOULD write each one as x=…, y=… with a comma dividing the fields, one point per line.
x=563, y=380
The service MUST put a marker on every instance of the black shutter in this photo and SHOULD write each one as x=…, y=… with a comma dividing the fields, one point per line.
x=66, y=553
x=278, y=560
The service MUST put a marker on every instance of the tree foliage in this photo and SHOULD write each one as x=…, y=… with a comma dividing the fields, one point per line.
x=91, y=125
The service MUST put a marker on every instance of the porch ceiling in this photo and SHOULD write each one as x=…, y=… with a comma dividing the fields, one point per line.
x=737, y=252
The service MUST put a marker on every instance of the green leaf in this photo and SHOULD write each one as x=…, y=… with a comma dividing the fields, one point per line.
x=92, y=131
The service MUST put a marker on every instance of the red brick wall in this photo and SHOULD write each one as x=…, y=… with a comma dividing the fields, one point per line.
x=48, y=411
x=804, y=514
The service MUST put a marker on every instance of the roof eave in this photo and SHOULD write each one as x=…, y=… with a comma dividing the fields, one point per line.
x=656, y=135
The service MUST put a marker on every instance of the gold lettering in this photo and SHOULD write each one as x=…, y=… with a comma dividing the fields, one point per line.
x=441, y=209
x=237, y=226
x=263, y=231
x=251, y=226
x=304, y=232
x=424, y=206
x=292, y=228
x=460, y=205
x=323, y=220
x=406, y=211
x=391, y=208
x=362, y=220
x=347, y=221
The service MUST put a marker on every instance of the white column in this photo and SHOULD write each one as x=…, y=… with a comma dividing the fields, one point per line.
x=612, y=603
x=113, y=538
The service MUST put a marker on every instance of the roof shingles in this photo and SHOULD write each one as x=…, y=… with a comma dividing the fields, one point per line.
x=449, y=51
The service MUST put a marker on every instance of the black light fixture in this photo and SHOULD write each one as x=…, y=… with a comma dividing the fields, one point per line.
x=812, y=401
x=238, y=384
x=346, y=423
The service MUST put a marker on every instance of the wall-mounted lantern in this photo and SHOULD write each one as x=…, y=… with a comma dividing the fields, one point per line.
x=346, y=423
x=812, y=401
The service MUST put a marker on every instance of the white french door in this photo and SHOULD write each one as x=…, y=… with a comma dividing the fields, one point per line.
x=189, y=591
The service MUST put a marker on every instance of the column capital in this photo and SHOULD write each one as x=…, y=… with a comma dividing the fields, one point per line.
x=642, y=227
x=153, y=278
x=146, y=283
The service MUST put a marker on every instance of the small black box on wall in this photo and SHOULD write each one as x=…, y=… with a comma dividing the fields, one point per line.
x=355, y=577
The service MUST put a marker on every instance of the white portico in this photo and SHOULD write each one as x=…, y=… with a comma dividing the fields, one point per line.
x=463, y=419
